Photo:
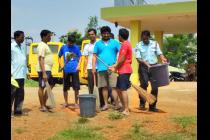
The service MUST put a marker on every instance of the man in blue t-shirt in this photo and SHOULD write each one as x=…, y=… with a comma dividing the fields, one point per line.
x=72, y=55
x=106, y=49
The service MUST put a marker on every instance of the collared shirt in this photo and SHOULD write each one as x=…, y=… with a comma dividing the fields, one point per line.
x=44, y=51
x=18, y=61
x=107, y=52
x=148, y=52
x=88, y=51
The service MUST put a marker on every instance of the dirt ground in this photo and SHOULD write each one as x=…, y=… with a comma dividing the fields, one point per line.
x=179, y=98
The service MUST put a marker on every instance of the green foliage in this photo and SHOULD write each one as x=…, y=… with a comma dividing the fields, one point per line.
x=139, y=133
x=181, y=50
x=31, y=83
x=115, y=115
x=74, y=32
x=82, y=120
x=93, y=23
x=185, y=121
x=78, y=132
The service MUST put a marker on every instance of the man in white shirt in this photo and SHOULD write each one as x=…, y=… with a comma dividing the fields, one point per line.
x=88, y=53
x=18, y=71
x=44, y=67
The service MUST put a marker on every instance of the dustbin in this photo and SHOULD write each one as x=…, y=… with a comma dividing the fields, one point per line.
x=87, y=104
x=160, y=73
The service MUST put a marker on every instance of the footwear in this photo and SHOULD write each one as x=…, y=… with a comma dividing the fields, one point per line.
x=142, y=107
x=65, y=105
x=153, y=109
x=126, y=113
x=43, y=109
x=18, y=113
x=76, y=106
x=104, y=108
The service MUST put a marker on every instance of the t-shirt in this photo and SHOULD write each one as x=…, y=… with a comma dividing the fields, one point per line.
x=74, y=51
x=107, y=52
x=88, y=51
x=44, y=51
x=126, y=50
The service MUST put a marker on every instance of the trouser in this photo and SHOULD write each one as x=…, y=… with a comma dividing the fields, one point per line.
x=91, y=81
x=17, y=96
x=145, y=77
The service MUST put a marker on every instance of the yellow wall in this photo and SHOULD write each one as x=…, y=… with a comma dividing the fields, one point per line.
x=135, y=38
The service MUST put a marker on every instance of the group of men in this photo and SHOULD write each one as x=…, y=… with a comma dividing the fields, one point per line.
x=107, y=62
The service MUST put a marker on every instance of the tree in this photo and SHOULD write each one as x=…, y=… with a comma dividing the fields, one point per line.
x=181, y=50
x=74, y=32
x=93, y=23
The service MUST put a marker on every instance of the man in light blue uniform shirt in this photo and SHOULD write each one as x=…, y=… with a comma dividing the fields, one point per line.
x=146, y=54
x=18, y=71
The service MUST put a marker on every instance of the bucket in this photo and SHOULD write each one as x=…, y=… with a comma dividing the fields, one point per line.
x=87, y=104
x=160, y=73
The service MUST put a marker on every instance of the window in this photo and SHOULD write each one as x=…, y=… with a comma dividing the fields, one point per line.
x=54, y=48
x=34, y=49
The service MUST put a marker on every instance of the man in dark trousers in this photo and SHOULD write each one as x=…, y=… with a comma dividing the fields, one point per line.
x=18, y=71
x=146, y=54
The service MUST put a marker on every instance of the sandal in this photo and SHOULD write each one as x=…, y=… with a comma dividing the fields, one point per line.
x=104, y=108
x=126, y=113
x=64, y=105
x=43, y=109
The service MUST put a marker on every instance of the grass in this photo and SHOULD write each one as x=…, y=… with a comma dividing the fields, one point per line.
x=82, y=120
x=109, y=126
x=185, y=121
x=115, y=115
x=78, y=132
x=31, y=83
x=20, y=130
x=139, y=133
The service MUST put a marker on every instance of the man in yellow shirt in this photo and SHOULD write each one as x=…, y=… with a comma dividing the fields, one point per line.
x=44, y=67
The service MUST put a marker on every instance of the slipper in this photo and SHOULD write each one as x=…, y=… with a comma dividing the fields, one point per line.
x=104, y=108
x=76, y=106
x=43, y=109
x=64, y=106
x=126, y=113
x=48, y=107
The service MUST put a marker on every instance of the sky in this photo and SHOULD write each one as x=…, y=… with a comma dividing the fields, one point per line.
x=59, y=16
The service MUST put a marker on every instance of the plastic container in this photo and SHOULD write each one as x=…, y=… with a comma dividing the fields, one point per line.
x=87, y=104
x=160, y=73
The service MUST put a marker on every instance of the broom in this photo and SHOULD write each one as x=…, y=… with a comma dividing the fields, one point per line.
x=143, y=94
x=51, y=100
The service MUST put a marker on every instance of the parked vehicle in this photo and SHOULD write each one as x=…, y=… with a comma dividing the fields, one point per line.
x=56, y=73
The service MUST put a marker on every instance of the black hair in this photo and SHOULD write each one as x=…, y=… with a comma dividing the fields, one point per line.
x=44, y=33
x=17, y=34
x=124, y=33
x=146, y=33
x=105, y=29
x=72, y=38
x=112, y=35
x=92, y=29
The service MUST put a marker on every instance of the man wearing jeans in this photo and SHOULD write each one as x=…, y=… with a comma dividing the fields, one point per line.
x=18, y=71
x=146, y=54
